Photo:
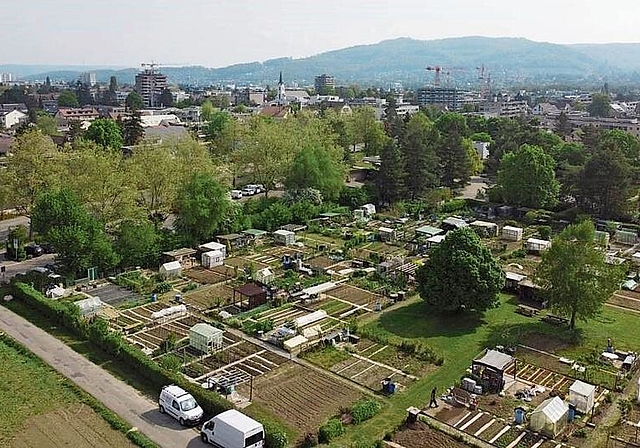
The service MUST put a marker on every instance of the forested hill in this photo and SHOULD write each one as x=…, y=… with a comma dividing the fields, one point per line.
x=508, y=60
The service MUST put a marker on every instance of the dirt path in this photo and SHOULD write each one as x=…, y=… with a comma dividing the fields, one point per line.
x=124, y=400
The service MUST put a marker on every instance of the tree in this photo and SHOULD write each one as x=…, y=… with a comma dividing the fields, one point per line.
x=202, y=207
x=46, y=123
x=575, y=275
x=67, y=99
x=134, y=101
x=454, y=150
x=390, y=179
x=367, y=130
x=77, y=237
x=216, y=126
x=317, y=166
x=527, y=178
x=166, y=98
x=421, y=161
x=137, y=244
x=83, y=93
x=600, y=105
x=207, y=110
x=460, y=274
x=105, y=133
x=603, y=185
x=131, y=128
x=563, y=127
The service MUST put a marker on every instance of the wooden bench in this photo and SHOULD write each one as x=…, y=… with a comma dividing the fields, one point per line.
x=527, y=310
x=555, y=320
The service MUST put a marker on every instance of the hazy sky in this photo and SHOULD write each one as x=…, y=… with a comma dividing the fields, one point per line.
x=216, y=33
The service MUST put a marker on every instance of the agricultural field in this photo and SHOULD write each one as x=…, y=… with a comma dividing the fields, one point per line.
x=421, y=435
x=208, y=297
x=300, y=396
x=356, y=296
x=39, y=408
x=205, y=276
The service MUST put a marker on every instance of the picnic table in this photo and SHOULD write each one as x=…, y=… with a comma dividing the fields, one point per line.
x=527, y=310
x=555, y=320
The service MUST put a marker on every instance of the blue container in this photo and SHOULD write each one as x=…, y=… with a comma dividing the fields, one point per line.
x=519, y=416
x=154, y=297
x=572, y=413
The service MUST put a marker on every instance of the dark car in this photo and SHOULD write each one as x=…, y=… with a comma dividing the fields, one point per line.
x=33, y=250
x=47, y=248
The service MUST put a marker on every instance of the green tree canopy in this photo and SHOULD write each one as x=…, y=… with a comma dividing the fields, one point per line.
x=419, y=151
x=207, y=110
x=134, y=101
x=137, y=243
x=202, y=207
x=390, y=180
x=527, y=178
x=105, y=133
x=460, y=274
x=600, y=105
x=68, y=99
x=454, y=150
x=574, y=274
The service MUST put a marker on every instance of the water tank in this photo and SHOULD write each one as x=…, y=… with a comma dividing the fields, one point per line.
x=468, y=384
x=519, y=416
x=572, y=413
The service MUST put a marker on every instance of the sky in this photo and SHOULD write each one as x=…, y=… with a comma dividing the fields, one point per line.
x=216, y=33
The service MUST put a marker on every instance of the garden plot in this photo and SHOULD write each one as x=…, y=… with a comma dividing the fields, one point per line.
x=264, y=259
x=241, y=262
x=208, y=297
x=542, y=377
x=205, y=276
x=152, y=337
x=113, y=294
x=356, y=296
x=334, y=308
x=626, y=299
x=302, y=397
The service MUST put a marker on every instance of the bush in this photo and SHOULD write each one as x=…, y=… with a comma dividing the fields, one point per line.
x=453, y=205
x=162, y=287
x=308, y=441
x=544, y=232
x=364, y=409
x=190, y=287
x=275, y=435
x=330, y=430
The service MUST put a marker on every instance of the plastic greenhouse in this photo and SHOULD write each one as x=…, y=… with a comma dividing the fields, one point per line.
x=550, y=418
x=205, y=337
x=582, y=396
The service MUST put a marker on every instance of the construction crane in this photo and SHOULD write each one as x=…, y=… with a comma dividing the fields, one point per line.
x=447, y=71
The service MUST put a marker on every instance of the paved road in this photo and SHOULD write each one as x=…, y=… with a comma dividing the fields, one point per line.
x=122, y=399
x=12, y=268
x=8, y=224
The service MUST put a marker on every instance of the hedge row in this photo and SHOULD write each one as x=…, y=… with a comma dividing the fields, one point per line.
x=111, y=418
x=97, y=331
x=364, y=410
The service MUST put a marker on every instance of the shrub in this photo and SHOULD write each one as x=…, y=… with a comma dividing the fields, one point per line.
x=190, y=287
x=453, y=205
x=275, y=435
x=581, y=433
x=544, y=232
x=162, y=287
x=364, y=409
x=330, y=430
x=308, y=441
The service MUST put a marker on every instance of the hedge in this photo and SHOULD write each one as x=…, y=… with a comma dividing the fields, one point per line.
x=364, y=409
x=97, y=332
x=330, y=430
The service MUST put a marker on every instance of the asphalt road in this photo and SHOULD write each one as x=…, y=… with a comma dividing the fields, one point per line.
x=12, y=268
x=8, y=224
x=122, y=399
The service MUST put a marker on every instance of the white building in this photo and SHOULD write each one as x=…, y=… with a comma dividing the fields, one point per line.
x=482, y=148
x=582, y=396
x=212, y=259
x=171, y=269
x=550, y=418
x=11, y=119
x=88, y=79
x=511, y=233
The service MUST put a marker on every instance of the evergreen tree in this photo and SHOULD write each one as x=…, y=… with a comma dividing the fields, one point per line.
x=456, y=165
x=421, y=161
x=131, y=127
x=391, y=175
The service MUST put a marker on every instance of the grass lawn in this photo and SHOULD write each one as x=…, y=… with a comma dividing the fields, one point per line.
x=460, y=338
x=326, y=357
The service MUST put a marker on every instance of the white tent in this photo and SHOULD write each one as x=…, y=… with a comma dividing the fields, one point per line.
x=582, y=396
x=171, y=269
x=550, y=417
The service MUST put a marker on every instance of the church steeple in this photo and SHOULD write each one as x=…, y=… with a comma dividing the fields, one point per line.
x=282, y=94
x=280, y=82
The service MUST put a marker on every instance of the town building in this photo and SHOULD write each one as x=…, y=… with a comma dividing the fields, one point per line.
x=150, y=84
x=6, y=78
x=324, y=84
x=88, y=79
x=444, y=97
x=11, y=119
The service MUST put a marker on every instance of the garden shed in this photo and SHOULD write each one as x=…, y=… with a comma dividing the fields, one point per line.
x=185, y=256
x=626, y=237
x=212, y=259
x=285, y=237
x=249, y=296
x=254, y=234
x=434, y=241
x=550, y=418
x=536, y=245
x=205, y=338
x=582, y=396
x=264, y=276
x=490, y=369
x=635, y=258
x=171, y=269
x=368, y=209
x=453, y=223
x=208, y=247
x=512, y=281
x=485, y=229
x=511, y=233
x=428, y=231
x=386, y=234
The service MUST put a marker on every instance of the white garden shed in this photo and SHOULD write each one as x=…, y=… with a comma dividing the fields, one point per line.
x=368, y=209
x=537, y=245
x=212, y=259
x=205, y=338
x=171, y=269
x=89, y=306
x=550, y=418
x=511, y=233
x=208, y=247
x=285, y=237
x=264, y=276
x=582, y=396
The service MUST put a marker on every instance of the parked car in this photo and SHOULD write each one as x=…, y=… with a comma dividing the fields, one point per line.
x=179, y=404
x=256, y=188
x=236, y=194
x=33, y=250
x=248, y=191
x=232, y=429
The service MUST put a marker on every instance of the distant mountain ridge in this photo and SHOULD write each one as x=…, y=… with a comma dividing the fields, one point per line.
x=508, y=60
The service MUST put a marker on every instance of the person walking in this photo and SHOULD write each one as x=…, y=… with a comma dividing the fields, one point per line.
x=433, y=403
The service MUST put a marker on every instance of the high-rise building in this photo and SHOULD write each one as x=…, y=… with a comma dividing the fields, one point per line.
x=324, y=84
x=6, y=77
x=88, y=79
x=444, y=97
x=150, y=84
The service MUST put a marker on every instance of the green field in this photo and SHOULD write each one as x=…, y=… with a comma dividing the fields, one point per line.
x=460, y=338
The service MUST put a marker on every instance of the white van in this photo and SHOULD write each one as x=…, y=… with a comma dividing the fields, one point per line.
x=179, y=404
x=236, y=194
x=233, y=429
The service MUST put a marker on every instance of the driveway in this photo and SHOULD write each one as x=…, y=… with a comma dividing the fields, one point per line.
x=127, y=402
x=12, y=268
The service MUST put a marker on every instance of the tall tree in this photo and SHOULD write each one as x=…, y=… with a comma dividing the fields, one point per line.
x=207, y=110
x=106, y=133
x=367, y=130
x=460, y=274
x=390, y=179
x=600, y=105
x=202, y=207
x=166, y=98
x=574, y=274
x=419, y=151
x=67, y=99
x=317, y=167
x=527, y=178
x=563, y=127
x=134, y=101
x=603, y=185
x=131, y=128
x=137, y=244
x=454, y=150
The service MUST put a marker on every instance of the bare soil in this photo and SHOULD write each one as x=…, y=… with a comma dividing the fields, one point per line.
x=78, y=427
x=420, y=435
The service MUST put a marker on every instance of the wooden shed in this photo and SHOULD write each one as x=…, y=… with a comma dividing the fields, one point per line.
x=249, y=296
